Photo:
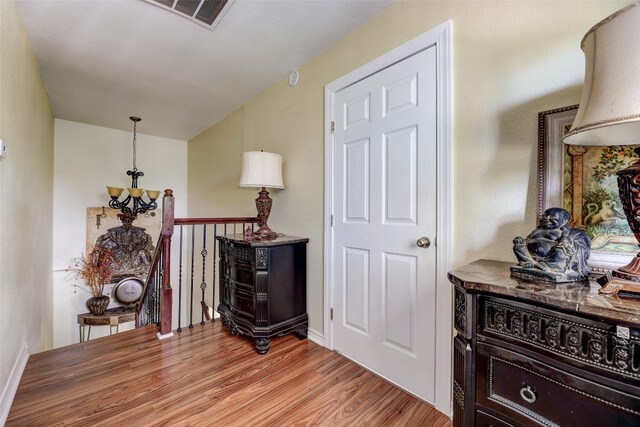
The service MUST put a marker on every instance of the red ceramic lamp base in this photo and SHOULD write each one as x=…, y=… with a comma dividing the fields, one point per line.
x=627, y=278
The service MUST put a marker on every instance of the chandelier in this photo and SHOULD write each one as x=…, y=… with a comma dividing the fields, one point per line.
x=135, y=193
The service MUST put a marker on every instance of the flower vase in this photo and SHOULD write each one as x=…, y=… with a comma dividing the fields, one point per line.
x=98, y=305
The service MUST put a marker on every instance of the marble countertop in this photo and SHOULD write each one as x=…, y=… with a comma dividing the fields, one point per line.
x=280, y=240
x=495, y=277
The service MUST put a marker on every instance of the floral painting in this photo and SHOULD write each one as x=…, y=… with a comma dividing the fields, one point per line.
x=595, y=190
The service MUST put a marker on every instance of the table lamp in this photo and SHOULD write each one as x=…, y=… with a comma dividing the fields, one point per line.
x=261, y=170
x=609, y=114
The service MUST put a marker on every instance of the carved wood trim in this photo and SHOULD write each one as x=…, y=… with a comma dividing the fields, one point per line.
x=262, y=303
x=460, y=311
x=587, y=343
x=239, y=253
x=458, y=394
x=261, y=258
x=460, y=381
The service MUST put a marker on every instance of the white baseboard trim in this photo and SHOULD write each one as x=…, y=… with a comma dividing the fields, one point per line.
x=10, y=389
x=165, y=336
x=316, y=337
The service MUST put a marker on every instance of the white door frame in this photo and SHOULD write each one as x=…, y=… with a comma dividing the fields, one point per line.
x=439, y=36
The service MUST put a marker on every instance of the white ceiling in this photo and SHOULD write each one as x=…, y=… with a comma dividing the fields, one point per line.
x=105, y=60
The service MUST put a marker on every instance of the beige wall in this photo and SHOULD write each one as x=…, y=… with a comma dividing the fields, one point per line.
x=26, y=198
x=87, y=158
x=511, y=59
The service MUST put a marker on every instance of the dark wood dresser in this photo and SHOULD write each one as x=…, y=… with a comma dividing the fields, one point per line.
x=263, y=287
x=533, y=354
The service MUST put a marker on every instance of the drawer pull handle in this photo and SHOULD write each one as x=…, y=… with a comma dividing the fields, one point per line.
x=528, y=394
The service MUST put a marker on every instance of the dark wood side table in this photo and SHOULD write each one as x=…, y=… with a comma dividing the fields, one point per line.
x=113, y=317
x=539, y=354
x=263, y=287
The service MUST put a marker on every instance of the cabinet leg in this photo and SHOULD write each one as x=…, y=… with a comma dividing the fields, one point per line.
x=301, y=334
x=262, y=345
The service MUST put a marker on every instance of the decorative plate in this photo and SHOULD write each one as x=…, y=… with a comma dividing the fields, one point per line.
x=129, y=290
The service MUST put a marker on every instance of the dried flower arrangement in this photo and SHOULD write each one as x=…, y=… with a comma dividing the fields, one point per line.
x=95, y=269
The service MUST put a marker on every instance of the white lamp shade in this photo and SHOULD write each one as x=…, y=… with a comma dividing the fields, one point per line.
x=609, y=112
x=261, y=169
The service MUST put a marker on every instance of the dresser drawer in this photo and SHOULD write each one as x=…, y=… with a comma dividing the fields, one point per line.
x=243, y=277
x=486, y=420
x=241, y=303
x=534, y=393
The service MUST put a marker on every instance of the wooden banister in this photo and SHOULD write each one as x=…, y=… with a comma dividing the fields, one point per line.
x=168, y=209
x=232, y=220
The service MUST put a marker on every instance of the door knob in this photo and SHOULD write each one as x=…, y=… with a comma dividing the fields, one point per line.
x=423, y=242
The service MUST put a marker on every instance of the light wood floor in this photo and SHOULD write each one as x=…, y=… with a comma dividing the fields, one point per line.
x=205, y=376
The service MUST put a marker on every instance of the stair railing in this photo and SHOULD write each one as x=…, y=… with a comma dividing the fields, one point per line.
x=156, y=306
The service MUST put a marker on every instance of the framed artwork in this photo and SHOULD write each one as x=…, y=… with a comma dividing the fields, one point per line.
x=132, y=246
x=583, y=181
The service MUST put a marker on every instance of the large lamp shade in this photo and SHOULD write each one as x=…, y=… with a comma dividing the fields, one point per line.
x=609, y=112
x=261, y=169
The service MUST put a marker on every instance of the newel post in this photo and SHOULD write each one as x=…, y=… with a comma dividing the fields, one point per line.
x=167, y=232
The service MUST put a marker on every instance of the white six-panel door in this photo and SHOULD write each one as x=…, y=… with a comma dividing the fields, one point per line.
x=384, y=200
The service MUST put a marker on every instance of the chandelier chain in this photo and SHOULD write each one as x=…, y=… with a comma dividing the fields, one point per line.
x=135, y=123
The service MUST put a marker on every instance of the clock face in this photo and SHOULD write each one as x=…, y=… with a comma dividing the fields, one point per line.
x=128, y=290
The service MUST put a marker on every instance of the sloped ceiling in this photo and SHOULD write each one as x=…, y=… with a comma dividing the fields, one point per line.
x=103, y=60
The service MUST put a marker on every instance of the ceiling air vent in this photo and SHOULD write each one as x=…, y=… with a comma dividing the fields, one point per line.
x=204, y=12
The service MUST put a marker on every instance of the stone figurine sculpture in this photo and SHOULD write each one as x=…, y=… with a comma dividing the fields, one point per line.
x=553, y=252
